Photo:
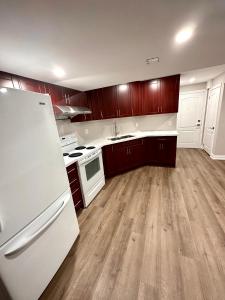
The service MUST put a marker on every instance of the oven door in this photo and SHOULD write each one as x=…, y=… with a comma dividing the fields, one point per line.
x=91, y=172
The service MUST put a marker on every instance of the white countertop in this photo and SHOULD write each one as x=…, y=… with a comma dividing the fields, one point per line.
x=99, y=143
x=136, y=135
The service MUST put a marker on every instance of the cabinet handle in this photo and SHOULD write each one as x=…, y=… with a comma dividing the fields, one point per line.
x=101, y=115
x=132, y=111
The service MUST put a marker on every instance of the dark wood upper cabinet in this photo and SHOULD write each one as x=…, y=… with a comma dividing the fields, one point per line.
x=27, y=84
x=136, y=98
x=124, y=107
x=169, y=94
x=151, y=96
x=56, y=94
x=109, y=102
x=6, y=80
x=95, y=103
x=80, y=99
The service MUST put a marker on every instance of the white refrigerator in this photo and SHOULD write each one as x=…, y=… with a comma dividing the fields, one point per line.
x=38, y=223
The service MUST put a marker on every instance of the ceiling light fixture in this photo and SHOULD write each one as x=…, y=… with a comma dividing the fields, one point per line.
x=58, y=72
x=184, y=35
x=192, y=79
x=152, y=60
x=123, y=87
x=3, y=90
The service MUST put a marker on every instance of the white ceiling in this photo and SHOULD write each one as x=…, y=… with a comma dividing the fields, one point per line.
x=101, y=43
x=202, y=75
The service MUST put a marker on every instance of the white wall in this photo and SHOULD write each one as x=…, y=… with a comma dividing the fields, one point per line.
x=193, y=87
x=93, y=130
x=219, y=140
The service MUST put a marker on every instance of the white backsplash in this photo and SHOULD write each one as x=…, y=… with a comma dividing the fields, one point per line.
x=92, y=130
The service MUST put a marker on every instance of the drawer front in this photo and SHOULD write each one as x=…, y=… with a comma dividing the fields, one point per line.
x=74, y=185
x=77, y=196
x=128, y=143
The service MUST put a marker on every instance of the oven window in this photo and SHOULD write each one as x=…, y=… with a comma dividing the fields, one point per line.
x=92, y=168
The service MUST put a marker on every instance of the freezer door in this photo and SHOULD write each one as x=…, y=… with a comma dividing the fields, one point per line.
x=30, y=259
x=32, y=171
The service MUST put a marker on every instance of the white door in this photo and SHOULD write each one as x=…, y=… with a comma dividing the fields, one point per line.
x=190, y=119
x=211, y=117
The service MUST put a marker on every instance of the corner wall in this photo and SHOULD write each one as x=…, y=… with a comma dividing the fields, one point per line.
x=219, y=140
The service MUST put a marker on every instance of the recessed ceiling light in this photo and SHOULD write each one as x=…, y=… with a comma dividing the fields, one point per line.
x=3, y=90
x=58, y=72
x=184, y=35
x=123, y=87
x=152, y=60
x=192, y=79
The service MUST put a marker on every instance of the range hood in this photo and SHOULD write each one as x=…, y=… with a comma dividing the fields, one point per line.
x=66, y=112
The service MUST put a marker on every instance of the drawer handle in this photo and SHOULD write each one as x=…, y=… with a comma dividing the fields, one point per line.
x=73, y=181
x=75, y=191
x=71, y=170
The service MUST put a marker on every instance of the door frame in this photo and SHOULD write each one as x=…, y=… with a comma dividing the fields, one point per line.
x=221, y=86
x=204, y=92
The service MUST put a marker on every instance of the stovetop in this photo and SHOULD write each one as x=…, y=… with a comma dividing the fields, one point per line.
x=72, y=151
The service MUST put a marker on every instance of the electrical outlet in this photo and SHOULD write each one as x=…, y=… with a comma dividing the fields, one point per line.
x=86, y=131
x=136, y=124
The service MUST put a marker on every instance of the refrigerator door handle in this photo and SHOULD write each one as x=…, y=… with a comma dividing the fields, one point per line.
x=26, y=239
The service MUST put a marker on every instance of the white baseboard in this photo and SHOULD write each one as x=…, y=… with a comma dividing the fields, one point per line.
x=217, y=157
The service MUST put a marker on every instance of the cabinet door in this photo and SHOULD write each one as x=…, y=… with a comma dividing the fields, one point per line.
x=167, y=150
x=95, y=99
x=137, y=154
x=124, y=100
x=109, y=161
x=136, y=99
x=151, y=96
x=109, y=105
x=161, y=151
x=27, y=84
x=121, y=158
x=56, y=94
x=80, y=99
x=151, y=151
x=169, y=96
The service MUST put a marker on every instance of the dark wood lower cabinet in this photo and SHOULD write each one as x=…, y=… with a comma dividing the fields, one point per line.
x=125, y=156
x=75, y=186
x=161, y=151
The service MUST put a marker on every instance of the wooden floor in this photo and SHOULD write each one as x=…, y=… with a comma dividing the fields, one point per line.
x=152, y=233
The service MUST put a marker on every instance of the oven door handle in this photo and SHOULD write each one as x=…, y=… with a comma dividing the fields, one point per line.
x=89, y=160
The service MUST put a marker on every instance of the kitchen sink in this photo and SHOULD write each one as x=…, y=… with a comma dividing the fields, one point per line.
x=116, y=138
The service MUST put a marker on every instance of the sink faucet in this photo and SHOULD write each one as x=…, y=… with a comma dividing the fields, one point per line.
x=115, y=128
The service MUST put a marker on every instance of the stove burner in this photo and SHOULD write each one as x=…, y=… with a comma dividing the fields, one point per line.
x=80, y=148
x=65, y=154
x=91, y=147
x=75, y=154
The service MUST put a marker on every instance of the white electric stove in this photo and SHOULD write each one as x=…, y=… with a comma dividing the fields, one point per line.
x=90, y=166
